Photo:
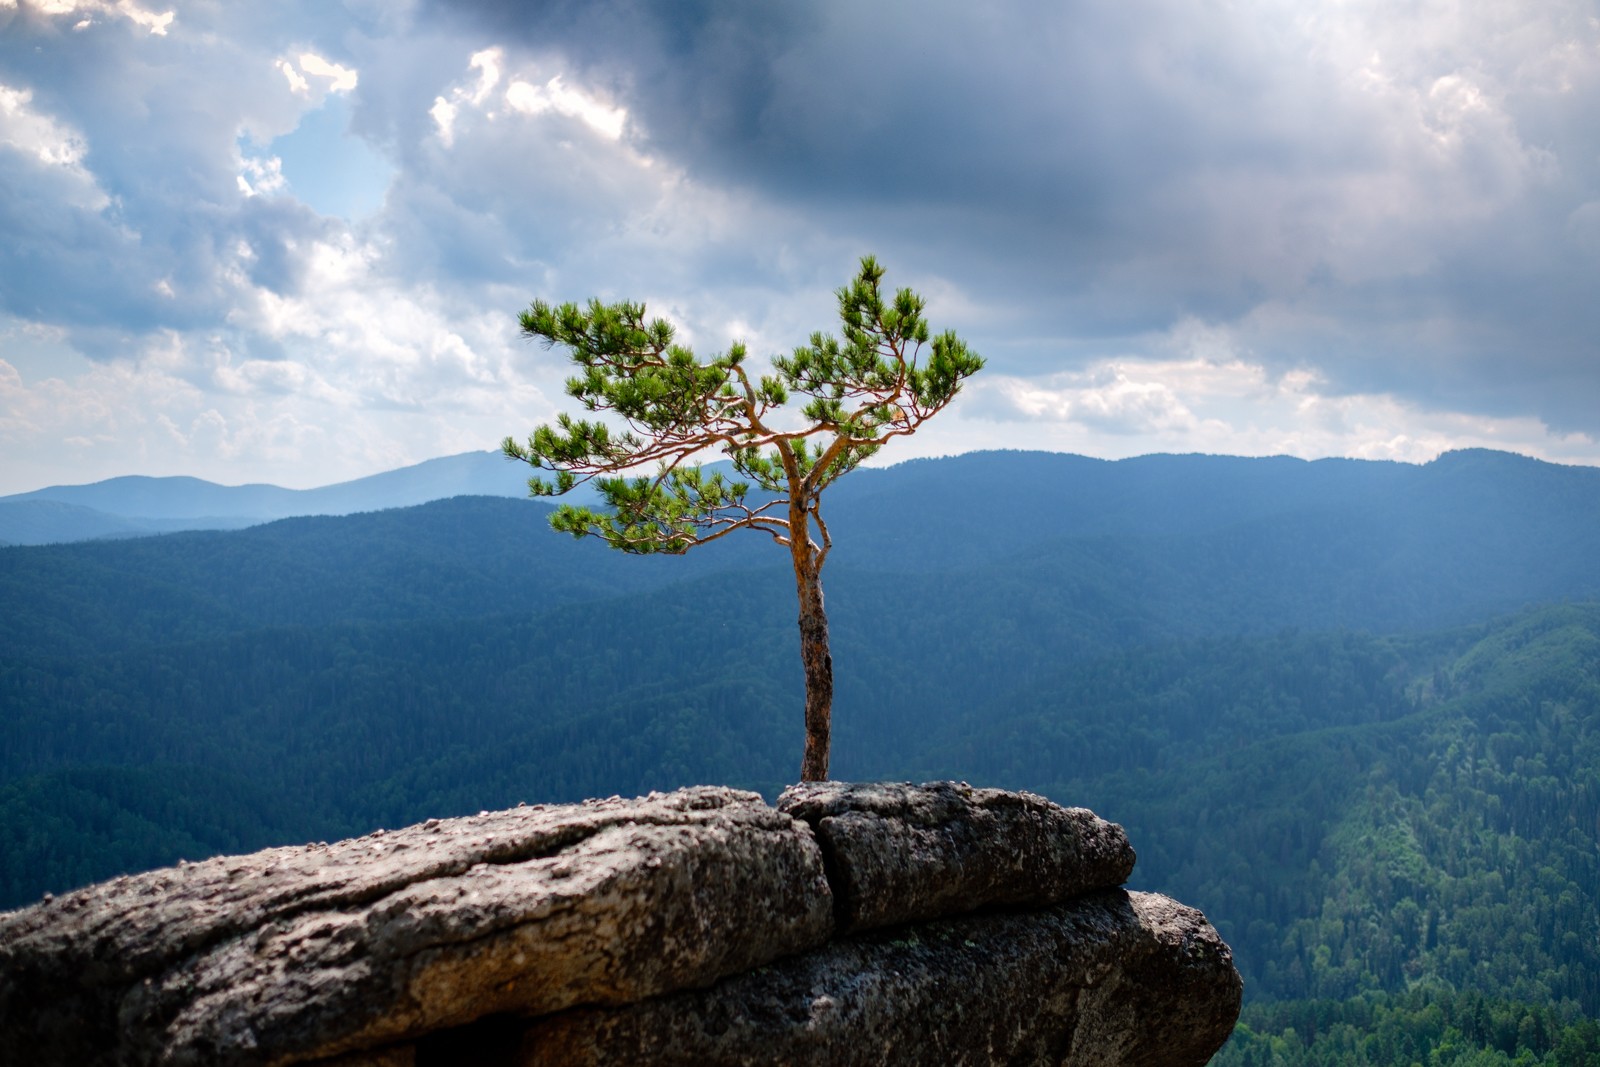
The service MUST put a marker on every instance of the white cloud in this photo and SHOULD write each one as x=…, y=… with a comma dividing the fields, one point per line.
x=38, y=135
x=195, y=404
x=153, y=22
x=340, y=79
x=443, y=113
x=1238, y=408
x=555, y=95
x=50, y=143
x=332, y=77
x=525, y=95
x=261, y=175
x=296, y=80
x=1106, y=399
x=13, y=420
x=487, y=63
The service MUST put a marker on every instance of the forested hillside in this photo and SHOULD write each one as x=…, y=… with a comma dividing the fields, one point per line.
x=1350, y=710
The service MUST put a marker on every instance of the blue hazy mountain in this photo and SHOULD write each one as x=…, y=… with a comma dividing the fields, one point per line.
x=1134, y=549
x=134, y=505
x=42, y=521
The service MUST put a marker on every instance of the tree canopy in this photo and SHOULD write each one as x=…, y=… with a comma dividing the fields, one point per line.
x=661, y=404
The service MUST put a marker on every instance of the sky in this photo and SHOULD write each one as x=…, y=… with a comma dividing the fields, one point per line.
x=288, y=242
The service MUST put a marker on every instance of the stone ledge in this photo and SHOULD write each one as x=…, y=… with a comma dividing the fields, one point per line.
x=898, y=852
x=700, y=926
x=294, y=953
x=1109, y=978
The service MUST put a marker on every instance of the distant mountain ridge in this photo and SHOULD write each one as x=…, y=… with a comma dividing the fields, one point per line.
x=1194, y=541
x=1140, y=549
x=135, y=505
x=1139, y=494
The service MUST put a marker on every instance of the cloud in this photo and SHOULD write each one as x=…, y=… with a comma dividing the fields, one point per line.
x=1105, y=170
x=261, y=175
x=1106, y=399
x=554, y=95
x=340, y=79
x=1200, y=403
x=1239, y=227
x=225, y=321
x=443, y=112
x=291, y=73
x=83, y=14
x=55, y=151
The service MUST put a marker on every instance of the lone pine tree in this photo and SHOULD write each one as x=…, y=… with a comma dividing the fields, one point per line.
x=882, y=381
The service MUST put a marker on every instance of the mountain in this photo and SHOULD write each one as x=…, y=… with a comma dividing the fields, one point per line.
x=989, y=503
x=1183, y=544
x=1055, y=552
x=1350, y=709
x=135, y=505
x=43, y=522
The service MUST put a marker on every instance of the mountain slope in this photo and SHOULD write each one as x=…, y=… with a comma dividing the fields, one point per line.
x=1147, y=548
x=44, y=522
x=1355, y=813
x=468, y=556
x=134, y=505
x=1283, y=677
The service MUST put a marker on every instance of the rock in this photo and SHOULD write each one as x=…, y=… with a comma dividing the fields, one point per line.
x=294, y=953
x=901, y=853
x=700, y=927
x=1112, y=978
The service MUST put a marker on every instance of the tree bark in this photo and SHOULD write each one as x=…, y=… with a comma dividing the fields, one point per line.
x=818, y=663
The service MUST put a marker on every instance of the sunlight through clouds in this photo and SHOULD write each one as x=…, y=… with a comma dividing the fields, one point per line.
x=555, y=95
x=340, y=79
x=525, y=97
x=50, y=144
x=261, y=175
x=1352, y=229
x=296, y=80
x=337, y=79
x=443, y=112
x=1237, y=407
x=153, y=22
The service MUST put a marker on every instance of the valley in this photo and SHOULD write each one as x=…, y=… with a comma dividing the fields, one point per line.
x=1350, y=710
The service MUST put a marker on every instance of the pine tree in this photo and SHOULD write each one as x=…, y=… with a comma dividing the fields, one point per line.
x=883, y=380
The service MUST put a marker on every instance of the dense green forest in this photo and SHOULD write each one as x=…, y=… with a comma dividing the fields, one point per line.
x=1354, y=722
x=1426, y=1025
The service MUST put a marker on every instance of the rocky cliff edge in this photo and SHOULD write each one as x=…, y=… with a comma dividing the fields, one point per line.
x=850, y=924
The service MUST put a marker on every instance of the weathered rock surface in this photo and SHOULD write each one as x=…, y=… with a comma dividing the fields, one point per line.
x=697, y=927
x=902, y=853
x=1112, y=978
x=301, y=952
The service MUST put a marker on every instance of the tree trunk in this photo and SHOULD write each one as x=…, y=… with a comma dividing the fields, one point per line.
x=818, y=663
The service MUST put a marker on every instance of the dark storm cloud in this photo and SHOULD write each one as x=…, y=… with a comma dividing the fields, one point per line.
x=1057, y=120
x=1106, y=170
